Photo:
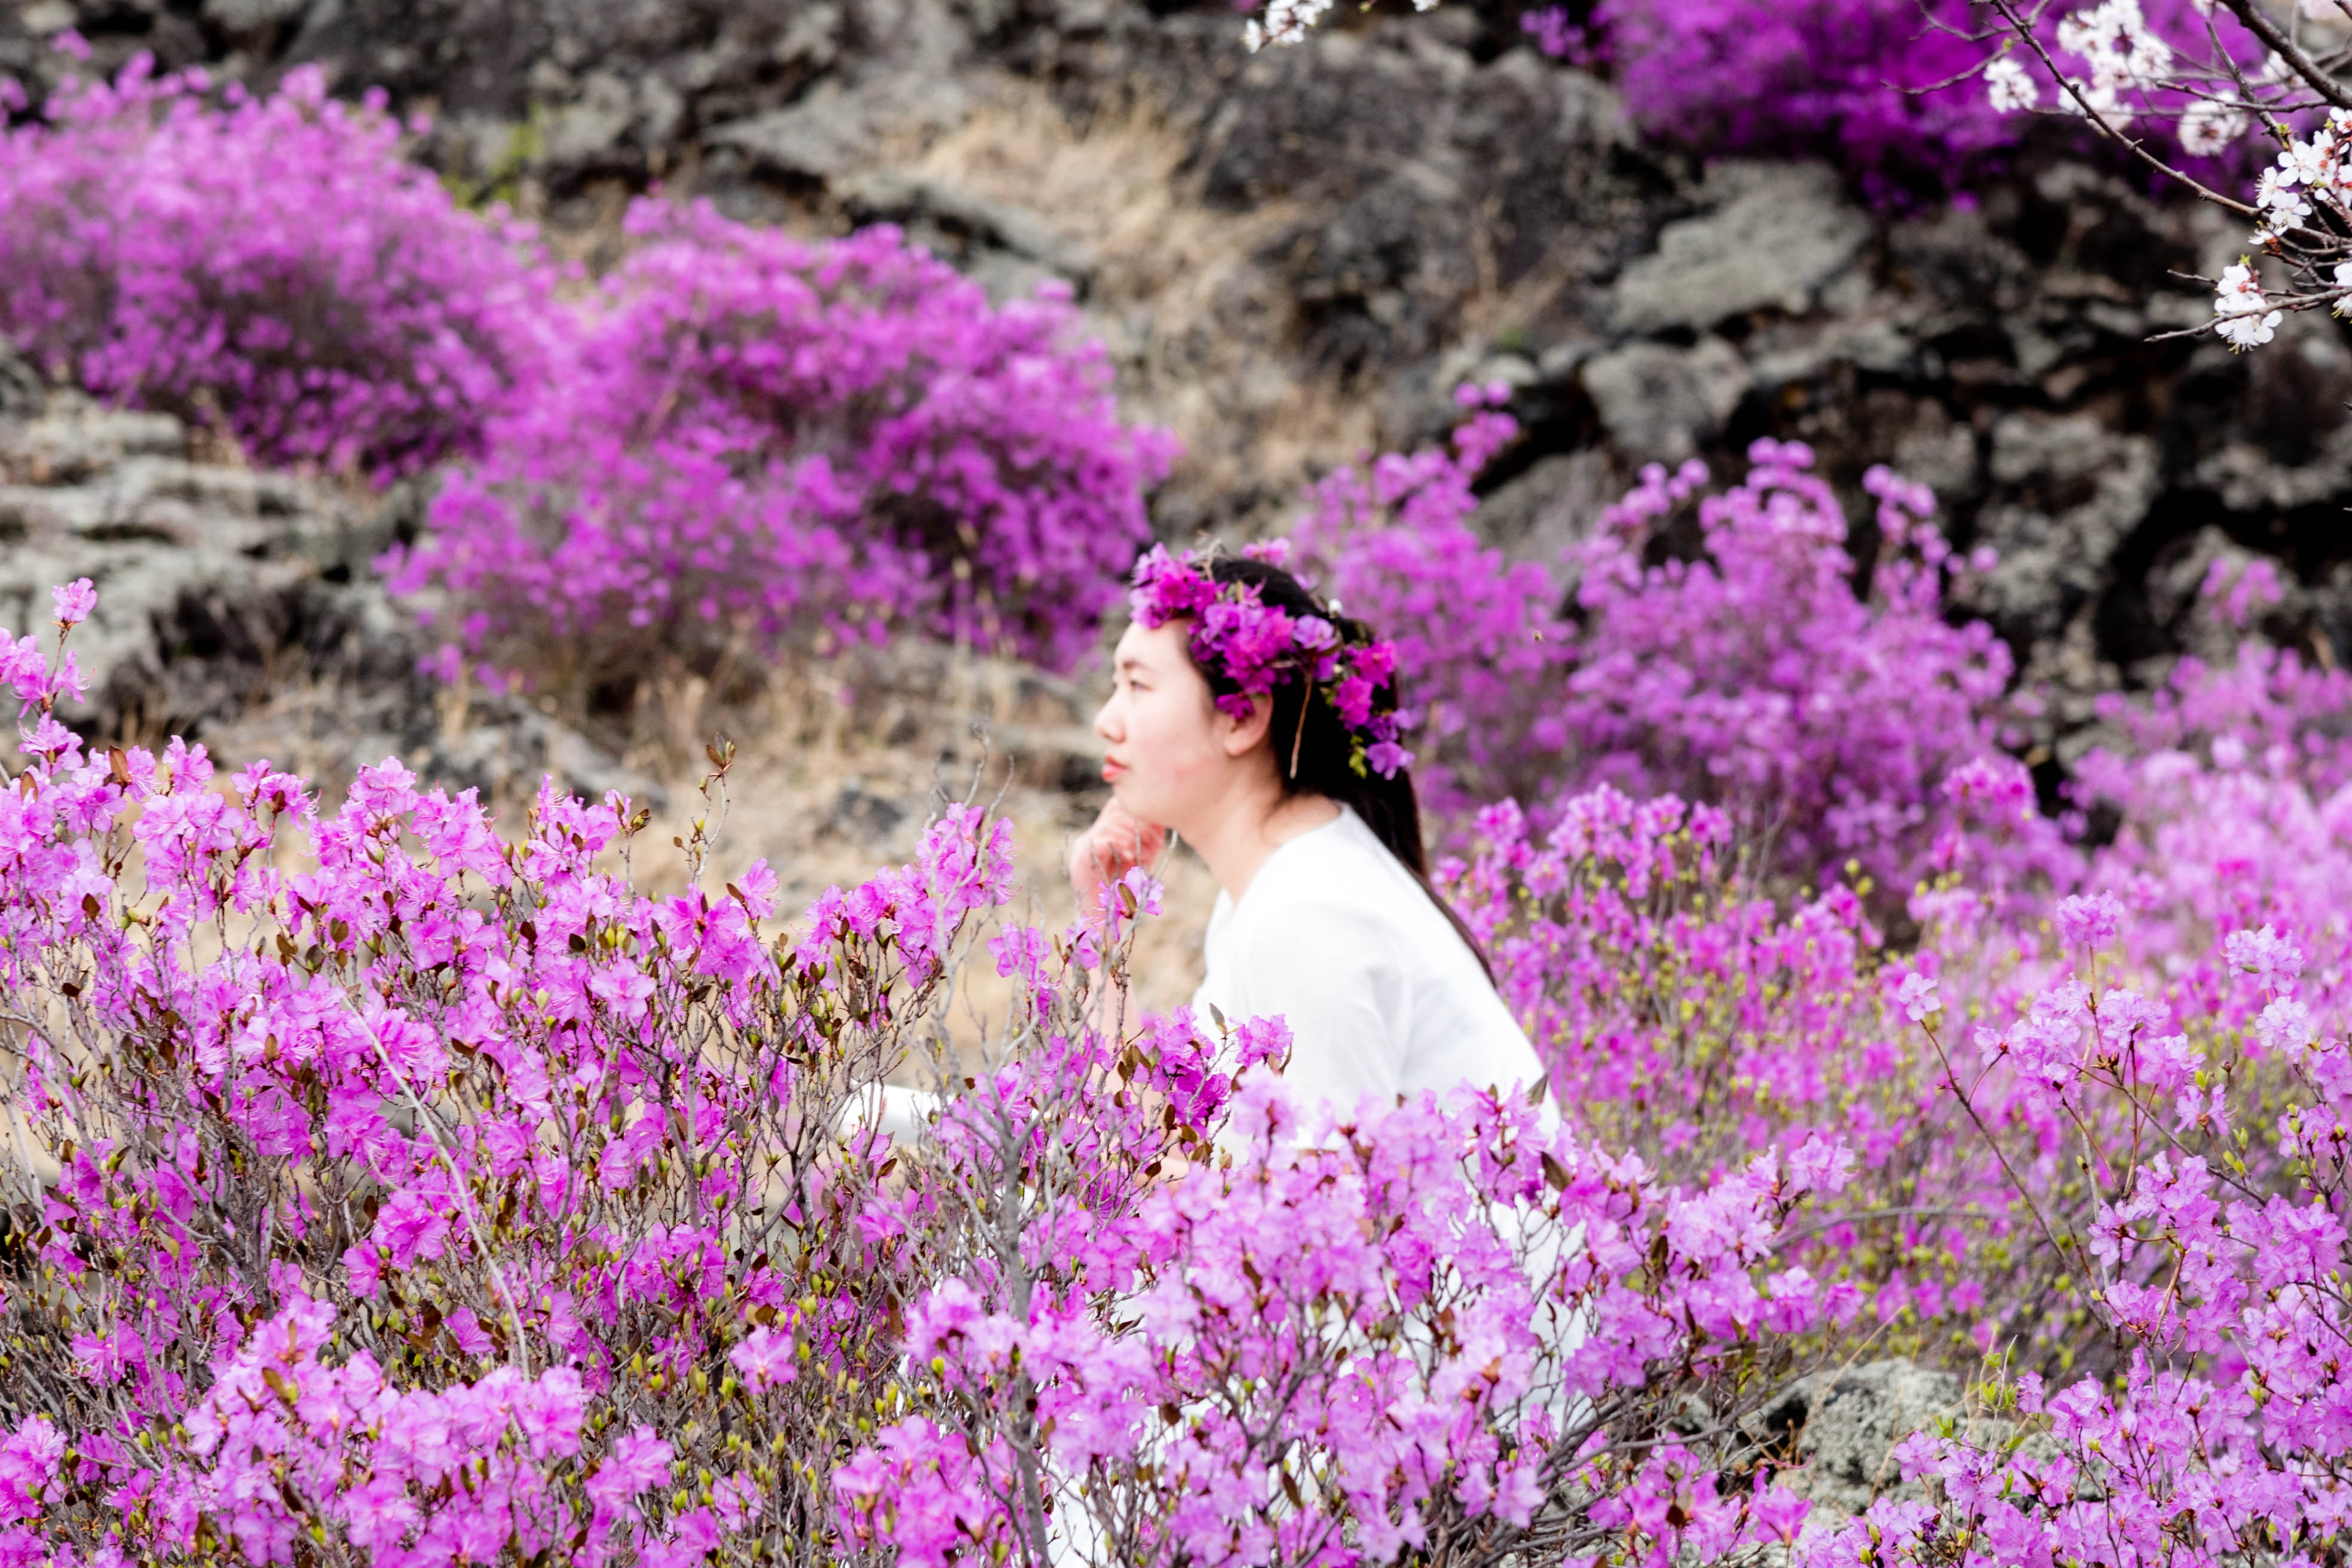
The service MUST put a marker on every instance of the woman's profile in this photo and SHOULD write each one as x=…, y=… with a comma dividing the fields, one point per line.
x=1260, y=726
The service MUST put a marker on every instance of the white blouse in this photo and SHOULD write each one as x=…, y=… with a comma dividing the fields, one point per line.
x=1383, y=996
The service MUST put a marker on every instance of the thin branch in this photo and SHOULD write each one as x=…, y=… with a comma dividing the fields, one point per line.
x=2139, y=149
x=2260, y=24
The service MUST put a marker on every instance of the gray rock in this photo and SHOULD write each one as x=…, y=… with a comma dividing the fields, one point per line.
x=811, y=141
x=661, y=114
x=252, y=16
x=2247, y=478
x=2293, y=448
x=1872, y=344
x=1551, y=506
x=327, y=729
x=2072, y=492
x=44, y=18
x=198, y=581
x=589, y=130
x=866, y=819
x=837, y=131
x=813, y=36
x=1846, y=1423
x=1778, y=234
x=921, y=201
x=22, y=391
x=218, y=620
x=182, y=636
x=1939, y=452
x=1662, y=403
x=71, y=438
x=1388, y=221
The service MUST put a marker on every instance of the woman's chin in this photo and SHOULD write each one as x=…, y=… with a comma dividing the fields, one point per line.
x=1135, y=802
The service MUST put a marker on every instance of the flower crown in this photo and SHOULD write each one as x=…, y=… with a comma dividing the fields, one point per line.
x=1258, y=647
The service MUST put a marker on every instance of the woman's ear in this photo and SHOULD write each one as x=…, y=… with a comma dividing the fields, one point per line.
x=1241, y=736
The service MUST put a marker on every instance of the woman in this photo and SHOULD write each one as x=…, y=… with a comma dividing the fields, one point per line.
x=1260, y=726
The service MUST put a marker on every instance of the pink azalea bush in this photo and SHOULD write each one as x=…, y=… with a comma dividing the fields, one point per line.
x=1832, y=725
x=1755, y=673
x=1477, y=637
x=1914, y=99
x=754, y=437
x=2204, y=1225
x=1683, y=1013
x=2160, y=1069
x=1870, y=84
x=1623, y=902
x=380, y=1187
x=2102, y=1138
x=385, y=1187
x=1415, y=1332
x=273, y=267
x=409, y=1195
x=736, y=440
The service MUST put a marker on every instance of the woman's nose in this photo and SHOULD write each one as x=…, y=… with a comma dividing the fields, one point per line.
x=1105, y=725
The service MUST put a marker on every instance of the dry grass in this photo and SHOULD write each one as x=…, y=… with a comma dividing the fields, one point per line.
x=1193, y=317
x=827, y=790
x=838, y=767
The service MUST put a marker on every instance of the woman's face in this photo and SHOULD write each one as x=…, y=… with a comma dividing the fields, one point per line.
x=1170, y=755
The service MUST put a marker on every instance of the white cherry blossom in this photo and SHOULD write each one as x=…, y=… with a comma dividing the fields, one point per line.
x=2246, y=319
x=2284, y=207
x=2009, y=86
x=2312, y=162
x=1286, y=22
x=2113, y=39
x=2097, y=97
x=2208, y=129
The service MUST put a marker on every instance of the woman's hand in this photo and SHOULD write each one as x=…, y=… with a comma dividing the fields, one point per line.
x=1105, y=852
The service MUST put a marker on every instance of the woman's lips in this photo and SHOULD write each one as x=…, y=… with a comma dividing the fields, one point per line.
x=1111, y=771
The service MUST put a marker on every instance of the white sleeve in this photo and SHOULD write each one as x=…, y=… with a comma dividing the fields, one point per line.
x=890, y=1108
x=1325, y=969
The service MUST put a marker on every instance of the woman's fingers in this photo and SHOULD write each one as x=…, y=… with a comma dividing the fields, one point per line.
x=1088, y=867
x=1108, y=850
x=1126, y=841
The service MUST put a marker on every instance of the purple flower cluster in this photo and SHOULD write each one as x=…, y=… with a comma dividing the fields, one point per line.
x=1237, y=636
x=1340, y=1348
x=392, y=1189
x=2212, y=1262
x=1756, y=675
x=748, y=436
x=735, y=439
x=273, y=268
x=403, y=1186
x=1890, y=89
x=1829, y=724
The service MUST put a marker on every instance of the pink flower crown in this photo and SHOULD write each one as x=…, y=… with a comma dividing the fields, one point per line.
x=1258, y=647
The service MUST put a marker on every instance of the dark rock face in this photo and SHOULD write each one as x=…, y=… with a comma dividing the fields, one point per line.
x=237, y=608
x=1404, y=158
x=1405, y=203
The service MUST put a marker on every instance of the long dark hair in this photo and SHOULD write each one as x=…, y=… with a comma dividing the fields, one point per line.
x=1314, y=749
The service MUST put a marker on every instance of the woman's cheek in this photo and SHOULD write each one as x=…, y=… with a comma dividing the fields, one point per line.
x=1157, y=761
